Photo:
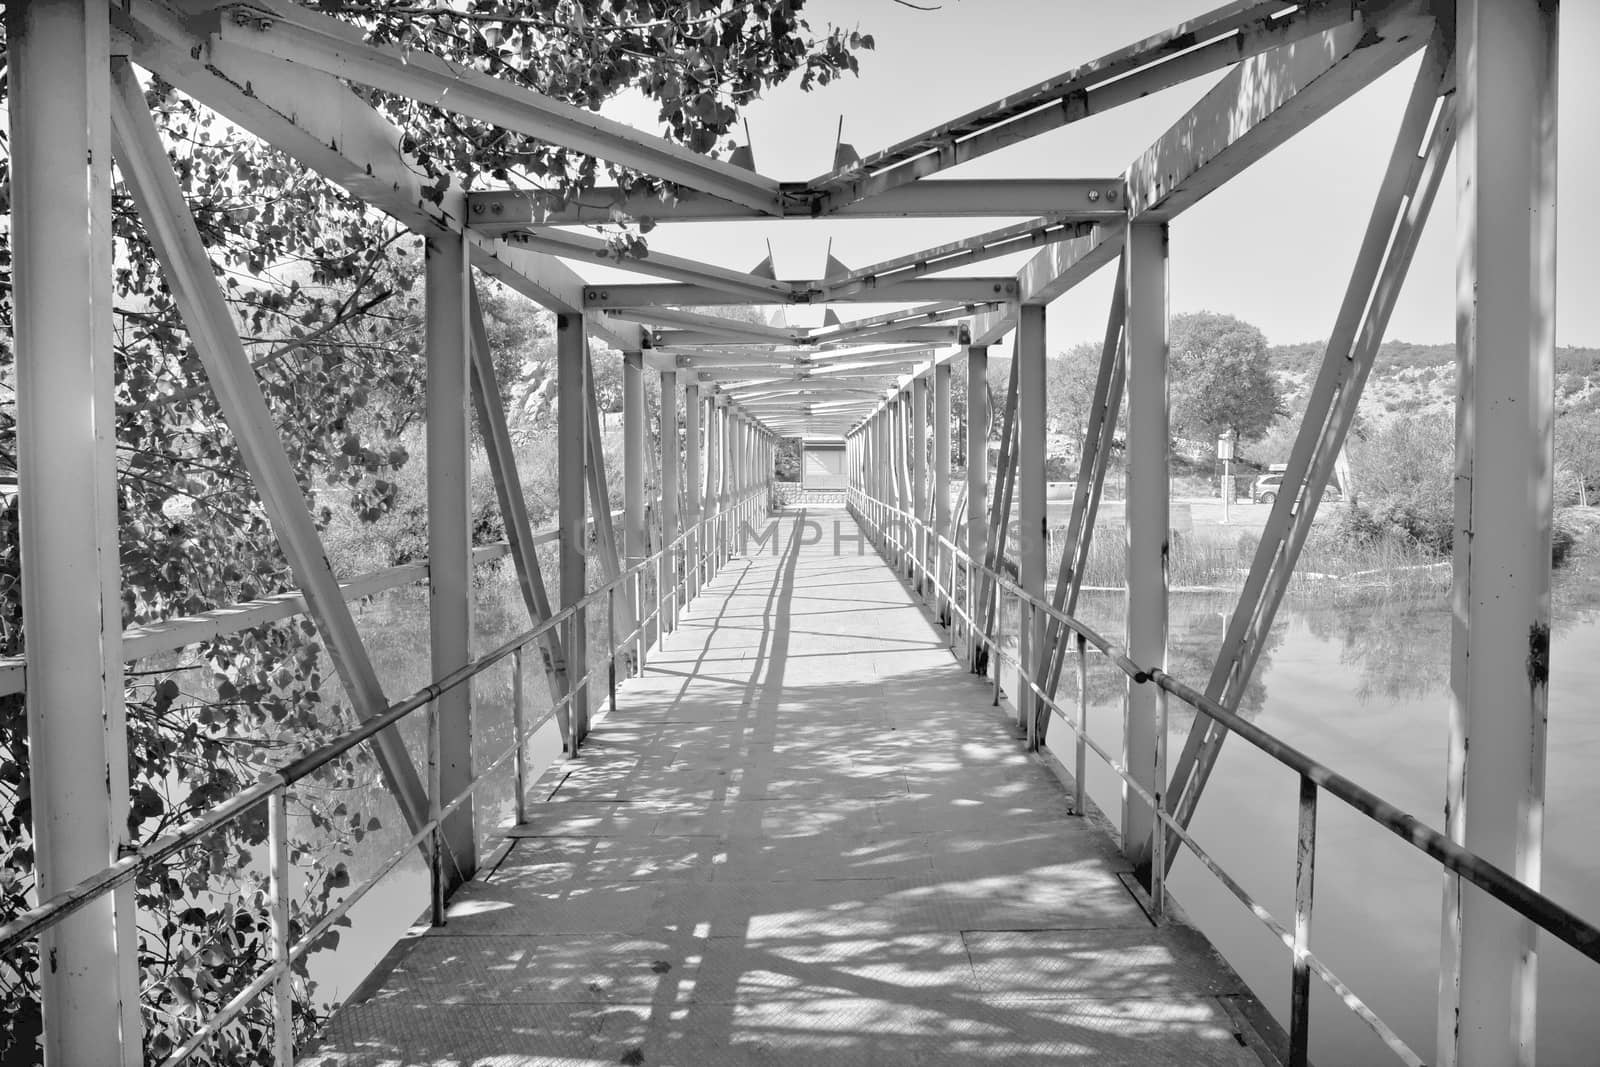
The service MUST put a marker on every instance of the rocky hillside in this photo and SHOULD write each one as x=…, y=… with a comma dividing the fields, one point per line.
x=1409, y=379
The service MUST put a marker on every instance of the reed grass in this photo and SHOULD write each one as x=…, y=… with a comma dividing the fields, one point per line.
x=1331, y=568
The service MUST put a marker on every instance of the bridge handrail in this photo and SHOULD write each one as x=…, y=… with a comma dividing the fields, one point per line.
x=1550, y=916
x=272, y=787
x=168, y=635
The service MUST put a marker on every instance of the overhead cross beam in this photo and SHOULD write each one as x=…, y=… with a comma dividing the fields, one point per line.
x=1049, y=274
x=745, y=332
x=1211, y=42
x=317, y=121
x=917, y=290
x=1078, y=199
x=1266, y=100
x=891, y=320
x=290, y=32
x=745, y=287
x=990, y=245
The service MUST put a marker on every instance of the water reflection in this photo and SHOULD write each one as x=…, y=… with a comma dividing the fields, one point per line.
x=1364, y=688
x=1399, y=650
x=1197, y=625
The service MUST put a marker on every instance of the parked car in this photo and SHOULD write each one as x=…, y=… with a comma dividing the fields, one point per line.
x=1265, y=488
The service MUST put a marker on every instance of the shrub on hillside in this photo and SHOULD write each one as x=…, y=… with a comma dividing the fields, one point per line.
x=1563, y=540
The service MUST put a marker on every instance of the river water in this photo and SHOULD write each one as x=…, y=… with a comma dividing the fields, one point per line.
x=1364, y=689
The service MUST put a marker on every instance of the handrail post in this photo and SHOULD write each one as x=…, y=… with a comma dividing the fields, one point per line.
x=576, y=669
x=1026, y=721
x=1158, y=839
x=966, y=612
x=519, y=725
x=680, y=580
x=640, y=644
x=278, y=890
x=611, y=645
x=1081, y=755
x=948, y=599
x=997, y=651
x=435, y=839
x=1304, y=876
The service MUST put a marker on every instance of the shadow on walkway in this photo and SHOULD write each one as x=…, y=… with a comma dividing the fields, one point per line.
x=804, y=837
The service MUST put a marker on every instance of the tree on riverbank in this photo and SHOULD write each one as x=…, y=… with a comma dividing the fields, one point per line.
x=1221, y=378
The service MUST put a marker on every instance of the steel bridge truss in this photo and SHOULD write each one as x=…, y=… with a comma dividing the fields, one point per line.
x=1484, y=91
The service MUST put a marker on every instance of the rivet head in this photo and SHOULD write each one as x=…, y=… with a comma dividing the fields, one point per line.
x=1111, y=194
x=497, y=208
x=1094, y=194
x=477, y=209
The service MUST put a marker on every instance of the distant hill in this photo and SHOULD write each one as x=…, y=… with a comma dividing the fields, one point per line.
x=1409, y=378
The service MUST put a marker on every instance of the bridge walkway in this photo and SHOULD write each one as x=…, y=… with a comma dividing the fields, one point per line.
x=804, y=837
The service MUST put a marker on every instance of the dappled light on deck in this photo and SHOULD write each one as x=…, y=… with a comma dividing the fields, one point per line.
x=804, y=836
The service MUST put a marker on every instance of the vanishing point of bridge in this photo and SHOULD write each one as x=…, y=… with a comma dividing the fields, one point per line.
x=821, y=799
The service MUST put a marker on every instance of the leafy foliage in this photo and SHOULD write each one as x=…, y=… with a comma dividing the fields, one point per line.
x=1405, y=472
x=1221, y=378
x=699, y=61
x=1071, y=379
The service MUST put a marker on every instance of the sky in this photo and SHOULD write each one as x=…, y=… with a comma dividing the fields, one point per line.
x=1274, y=246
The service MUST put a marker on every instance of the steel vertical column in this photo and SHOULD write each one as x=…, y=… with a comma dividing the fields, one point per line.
x=888, y=420
x=919, y=476
x=99, y=311
x=1505, y=359
x=901, y=444
x=447, y=281
x=671, y=460
x=854, y=439
x=713, y=501
x=1033, y=524
x=941, y=478
x=739, y=452
x=977, y=470
x=1147, y=520
x=571, y=422
x=730, y=474
x=693, y=491
x=871, y=457
x=59, y=100
x=634, y=545
x=864, y=432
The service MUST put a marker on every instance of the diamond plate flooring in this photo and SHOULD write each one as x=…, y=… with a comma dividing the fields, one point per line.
x=803, y=837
